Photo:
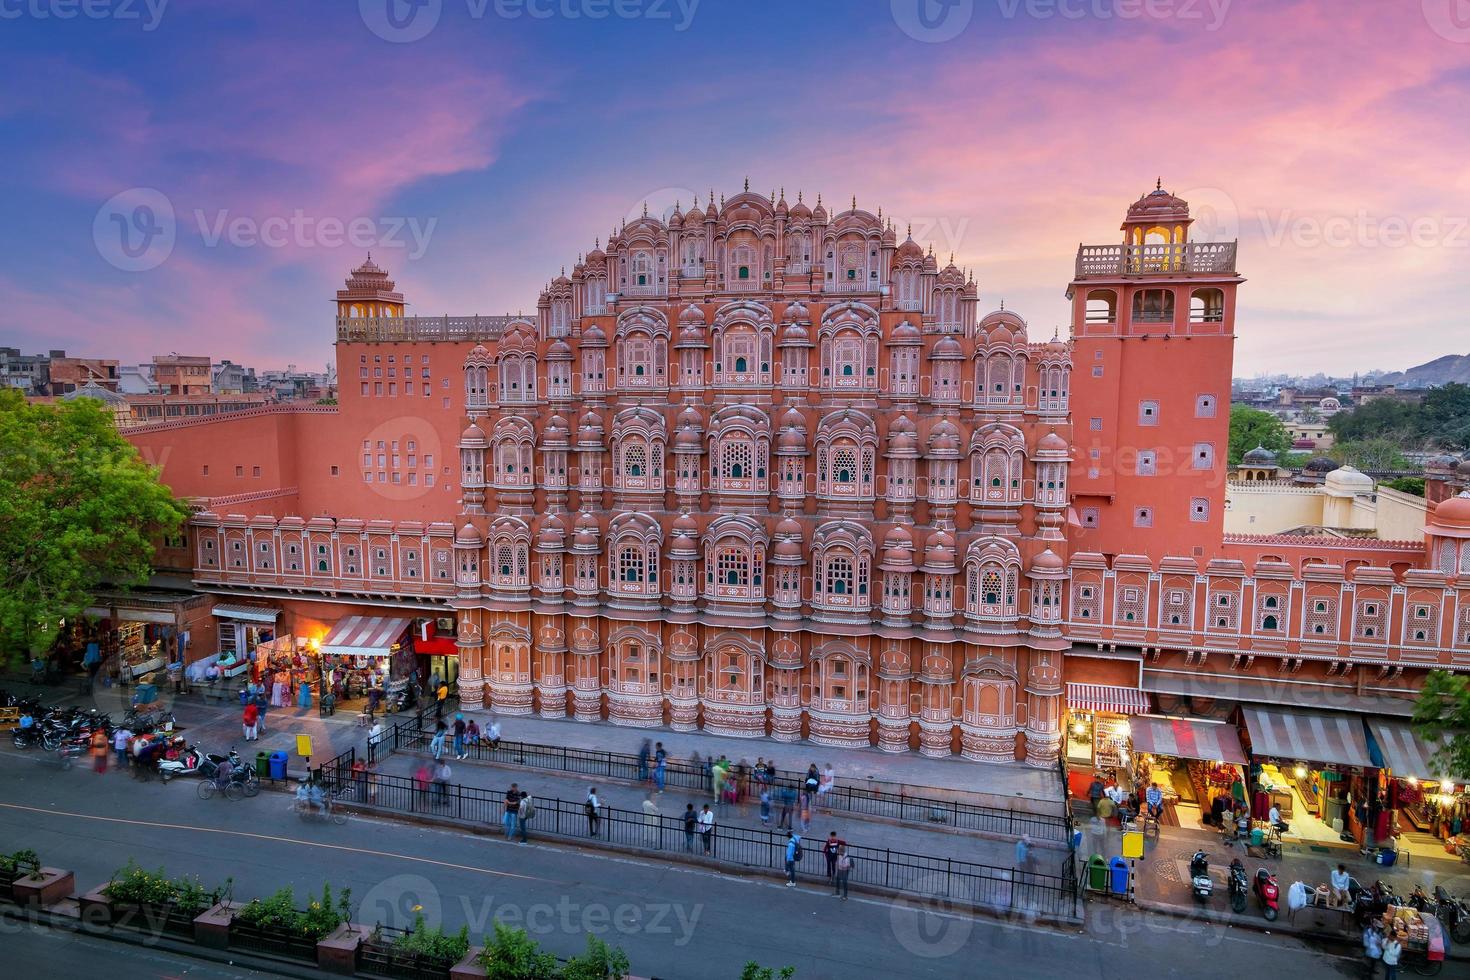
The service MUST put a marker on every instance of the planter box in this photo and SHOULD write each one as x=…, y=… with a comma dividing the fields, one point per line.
x=50, y=886
x=7, y=878
x=95, y=908
x=469, y=968
x=337, y=952
x=212, y=927
x=156, y=920
x=274, y=941
x=379, y=957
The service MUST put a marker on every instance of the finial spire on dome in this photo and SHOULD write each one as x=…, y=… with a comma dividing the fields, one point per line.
x=645, y=209
x=1002, y=304
x=798, y=195
x=911, y=231
x=597, y=242
x=747, y=182
x=854, y=202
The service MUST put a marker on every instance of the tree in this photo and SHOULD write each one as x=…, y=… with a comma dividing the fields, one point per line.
x=1442, y=715
x=1406, y=484
x=1370, y=454
x=79, y=509
x=1251, y=427
x=1383, y=418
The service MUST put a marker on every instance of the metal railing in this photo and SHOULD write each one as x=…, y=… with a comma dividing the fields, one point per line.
x=683, y=774
x=961, y=884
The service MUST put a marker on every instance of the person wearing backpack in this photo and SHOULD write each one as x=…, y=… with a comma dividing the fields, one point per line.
x=594, y=808
x=843, y=865
x=793, y=855
x=525, y=812
x=830, y=848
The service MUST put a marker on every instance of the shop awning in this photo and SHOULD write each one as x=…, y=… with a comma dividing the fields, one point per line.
x=1186, y=738
x=251, y=614
x=364, y=636
x=1402, y=751
x=1106, y=697
x=1308, y=736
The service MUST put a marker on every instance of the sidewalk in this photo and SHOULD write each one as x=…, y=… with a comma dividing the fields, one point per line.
x=620, y=795
x=1015, y=786
x=1162, y=880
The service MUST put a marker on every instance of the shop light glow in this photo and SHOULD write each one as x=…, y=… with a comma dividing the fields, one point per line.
x=1301, y=772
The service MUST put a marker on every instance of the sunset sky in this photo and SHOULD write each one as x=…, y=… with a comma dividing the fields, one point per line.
x=479, y=159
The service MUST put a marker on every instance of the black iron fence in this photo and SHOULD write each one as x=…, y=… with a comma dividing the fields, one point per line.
x=683, y=774
x=1046, y=887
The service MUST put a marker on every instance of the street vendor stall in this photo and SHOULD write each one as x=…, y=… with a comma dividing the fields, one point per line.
x=1318, y=765
x=1193, y=760
x=364, y=653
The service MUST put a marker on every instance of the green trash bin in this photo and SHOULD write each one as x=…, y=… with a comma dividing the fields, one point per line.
x=263, y=765
x=1097, y=873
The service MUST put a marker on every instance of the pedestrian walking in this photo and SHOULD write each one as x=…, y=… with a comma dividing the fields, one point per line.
x=437, y=743
x=1392, y=950
x=826, y=784
x=660, y=767
x=421, y=785
x=691, y=822
x=1023, y=856
x=441, y=782
x=459, y=731
x=512, y=810
x=593, y=807
x=844, y=868
x=1372, y=948
x=793, y=856
x=441, y=697
x=706, y=828
x=809, y=785
x=375, y=739
x=806, y=813
x=99, y=750
x=372, y=781
x=524, y=812
x=645, y=754
x=1095, y=791
x=120, y=739
x=650, y=817
x=830, y=848
x=717, y=783
x=359, y=779
x=249, y=719
x=788, y=800
x=765, y=805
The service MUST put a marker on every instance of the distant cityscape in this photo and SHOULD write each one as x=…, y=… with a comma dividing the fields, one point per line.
x=170, y=386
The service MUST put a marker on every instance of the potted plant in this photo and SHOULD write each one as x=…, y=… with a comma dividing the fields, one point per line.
x=150, y=900
x=30, y=882
x=275, y=925
x=421, y=950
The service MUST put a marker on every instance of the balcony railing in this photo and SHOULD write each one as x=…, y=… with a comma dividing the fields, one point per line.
x=1133, y=260
x=392, y=329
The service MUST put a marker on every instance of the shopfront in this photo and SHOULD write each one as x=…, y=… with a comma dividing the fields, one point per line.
x=363, y=653
x=141, y=633
x=240, y=631
x=1315, y=767
x=1194, y=761
x=1419, y=799
x=435, y=650
x=1099, y=733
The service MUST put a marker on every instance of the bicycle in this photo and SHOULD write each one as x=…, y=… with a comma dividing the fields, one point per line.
x=232, y=789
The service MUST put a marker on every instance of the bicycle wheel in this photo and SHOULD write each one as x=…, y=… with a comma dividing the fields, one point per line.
x=207, y=789
x=339, y=816
x=251, y=787
x=234, y=791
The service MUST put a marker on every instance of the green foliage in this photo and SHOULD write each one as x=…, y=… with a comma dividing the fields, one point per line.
x=754, y=971
x=513, y=955
x=27, y=862
x=600, y=962
x=1406, y=484
x=434, y=943
x=1370, y=454
x=1442, y=713
x=1251, y=427
x=79, y=509
x=279, y=912
x=135, y=886
x=1442, y=420
x=326, y=401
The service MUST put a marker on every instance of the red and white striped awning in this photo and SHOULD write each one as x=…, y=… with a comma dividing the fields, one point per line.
x=1307, y=736
x=364, y=636
x=1106, y=697
x=1186, y=738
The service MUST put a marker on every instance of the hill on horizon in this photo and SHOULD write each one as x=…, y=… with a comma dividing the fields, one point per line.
x=1440, y=371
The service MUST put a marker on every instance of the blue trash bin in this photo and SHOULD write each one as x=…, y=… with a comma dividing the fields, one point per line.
x=278, y=765
x=1118, y=876
x=244, y=695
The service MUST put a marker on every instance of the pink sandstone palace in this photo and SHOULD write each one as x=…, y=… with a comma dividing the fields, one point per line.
x=765, y=469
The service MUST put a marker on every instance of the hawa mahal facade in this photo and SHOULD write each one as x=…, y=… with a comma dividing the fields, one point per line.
x=762, y=469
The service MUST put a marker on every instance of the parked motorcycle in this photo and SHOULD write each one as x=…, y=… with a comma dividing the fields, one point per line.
x=185, y=763
x=1453, y=912
x=1238, y=886
x=1201, y=884
x=1268, y=893
x=240, y=773
x=1370, y=903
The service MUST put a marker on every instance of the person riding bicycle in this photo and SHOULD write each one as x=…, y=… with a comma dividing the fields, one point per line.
x=311, y=794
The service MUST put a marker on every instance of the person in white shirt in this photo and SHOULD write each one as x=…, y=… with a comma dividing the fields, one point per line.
x=1339, y=883
x=706, y=828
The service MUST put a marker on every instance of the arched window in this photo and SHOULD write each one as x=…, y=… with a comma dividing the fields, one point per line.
x=631, y=566
x=733, y=567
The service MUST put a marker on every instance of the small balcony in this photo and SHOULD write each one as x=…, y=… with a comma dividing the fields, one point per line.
x=1097, y=261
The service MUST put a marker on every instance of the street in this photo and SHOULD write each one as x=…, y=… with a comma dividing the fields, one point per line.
x=672, y=921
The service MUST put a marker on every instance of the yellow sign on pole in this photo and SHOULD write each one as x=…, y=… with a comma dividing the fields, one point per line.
x=303, y=746
x=1133, y=843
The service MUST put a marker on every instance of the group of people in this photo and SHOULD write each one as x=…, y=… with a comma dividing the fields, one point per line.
x=1381, y=947
x=461, y=736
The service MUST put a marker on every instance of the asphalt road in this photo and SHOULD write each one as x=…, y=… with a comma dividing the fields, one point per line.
x=674, y=922
x=39, y=951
